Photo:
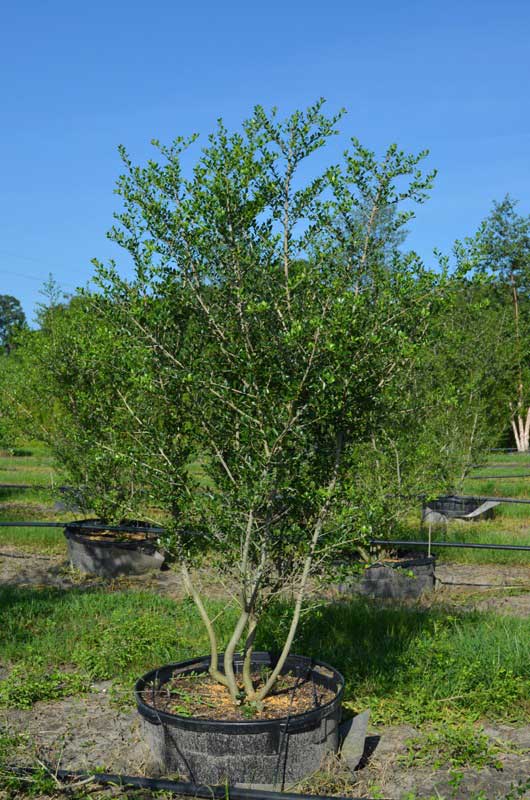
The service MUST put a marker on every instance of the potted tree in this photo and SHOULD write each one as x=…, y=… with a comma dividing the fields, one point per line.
x=78, y=384
x=439, y=420
x=297, y=326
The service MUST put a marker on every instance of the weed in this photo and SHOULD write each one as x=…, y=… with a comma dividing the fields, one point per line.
x=332, y=778
x=456, y=746
x=25, y=685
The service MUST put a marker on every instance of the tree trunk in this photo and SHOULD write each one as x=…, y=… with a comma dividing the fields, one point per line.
x=521, y=431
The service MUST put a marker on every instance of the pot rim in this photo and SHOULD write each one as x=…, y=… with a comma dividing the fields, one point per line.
x=307, y=719
x=404, y=562
x=79, y=531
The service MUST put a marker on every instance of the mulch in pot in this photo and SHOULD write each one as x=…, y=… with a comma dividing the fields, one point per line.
x=199, y=696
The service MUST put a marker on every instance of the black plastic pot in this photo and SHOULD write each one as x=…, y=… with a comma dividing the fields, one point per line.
x=453, y=507
x=404, y=579
x=111, y=557
x=263, y=753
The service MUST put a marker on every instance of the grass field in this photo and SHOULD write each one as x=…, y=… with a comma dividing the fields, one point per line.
x=31, y=465
x=407, y=665
x=510, y=525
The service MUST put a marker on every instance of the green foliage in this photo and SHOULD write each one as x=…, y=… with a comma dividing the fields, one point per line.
x=281, y=310
x=71, y=384
x=12, y=322
x=276, y=369
x=500, y=253
x=502, y=245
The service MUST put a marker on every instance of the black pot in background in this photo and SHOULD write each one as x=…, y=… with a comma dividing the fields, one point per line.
x=447, y=507
x=111, y=557
x=403, y=579
x=255, y=752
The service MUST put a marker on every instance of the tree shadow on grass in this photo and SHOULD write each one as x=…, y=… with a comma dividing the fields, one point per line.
x=365, y=640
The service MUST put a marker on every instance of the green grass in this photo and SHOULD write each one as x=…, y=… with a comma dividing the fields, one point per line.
x=508, y=458
x=33, y=458
x=510, y=525
x=409, y=665
x=45, y=540
x=406, y=665
x=34, y=467
x=514, y=465
x=498, y=488
x=500, y=530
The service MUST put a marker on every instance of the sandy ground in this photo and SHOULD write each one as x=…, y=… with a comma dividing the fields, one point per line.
x=480, y=586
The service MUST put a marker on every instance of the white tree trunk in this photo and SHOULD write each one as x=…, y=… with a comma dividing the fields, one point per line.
x=521, y=432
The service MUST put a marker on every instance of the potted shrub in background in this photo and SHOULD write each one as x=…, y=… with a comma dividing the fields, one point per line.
x=77, y=383
x=439, y=421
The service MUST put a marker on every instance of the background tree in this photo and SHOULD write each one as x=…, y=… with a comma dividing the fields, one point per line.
x=12, y=320
x=81, y=382
x=501, y=250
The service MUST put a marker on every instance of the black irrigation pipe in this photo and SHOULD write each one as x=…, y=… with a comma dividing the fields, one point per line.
x=112, y=528
x=497, y=499
x=33, y=524
x=502, y=477
x=176, y=787
x=35, y=486
x=484, y=498
x=505, y=450
x=462, y=497
x=400, y=542
x=468, y=545
x=507, y=465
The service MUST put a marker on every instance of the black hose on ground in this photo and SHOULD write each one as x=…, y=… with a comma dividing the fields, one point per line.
x=175, y=787
x=92, y=527
x=468, y=545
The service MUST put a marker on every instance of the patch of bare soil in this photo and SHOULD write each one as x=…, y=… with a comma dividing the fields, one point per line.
x=31, y=509
x=22, y=568
x=383, y=772
x=503, y=589
x=26, y=568
x=80, y=733
x=513, y=606
x=482, y=575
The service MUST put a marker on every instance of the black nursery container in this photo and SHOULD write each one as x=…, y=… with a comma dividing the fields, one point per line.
x=262, y=753
x=453, y=507
x=402, y=579
x=112, y=556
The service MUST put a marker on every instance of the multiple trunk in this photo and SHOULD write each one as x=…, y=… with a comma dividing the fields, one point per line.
x=521, y=431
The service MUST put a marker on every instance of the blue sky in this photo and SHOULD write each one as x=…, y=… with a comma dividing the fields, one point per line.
x=78, y=79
